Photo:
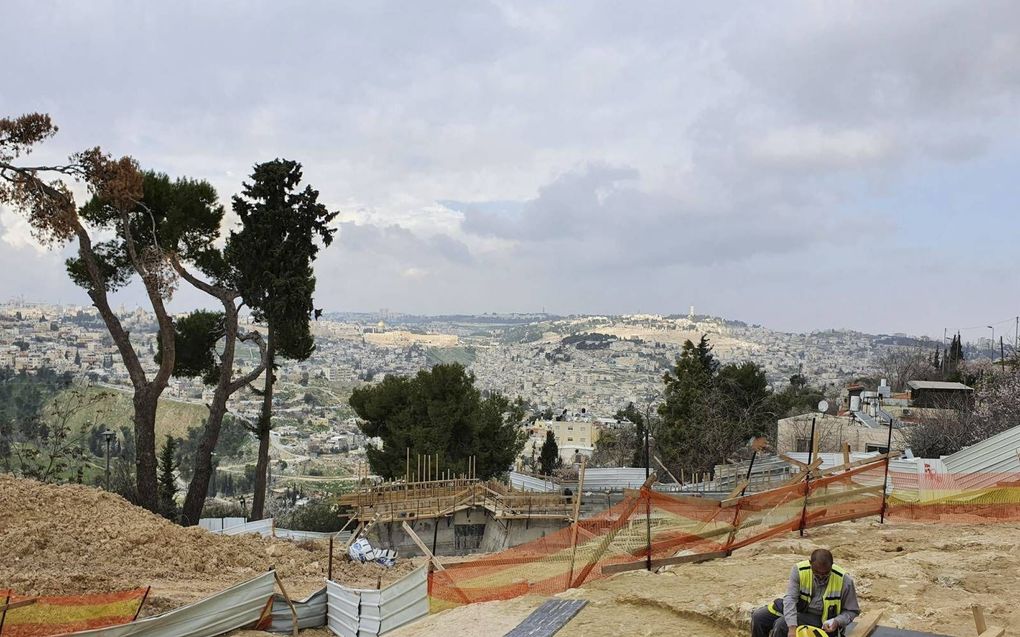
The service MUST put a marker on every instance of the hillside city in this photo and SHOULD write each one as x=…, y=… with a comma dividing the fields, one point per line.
x=595, y=365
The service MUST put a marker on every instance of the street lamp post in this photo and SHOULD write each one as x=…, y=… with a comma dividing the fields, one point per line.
x=108, y=436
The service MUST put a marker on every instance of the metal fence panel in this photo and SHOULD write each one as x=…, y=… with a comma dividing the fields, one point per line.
x=290, y=534
x=262, y=527
x=369, y=613
x=343, y=607
x=527, y=482
x=613, y=478
x=236, y=607
x=397, y=604
x=311, y=612
x=987, y=462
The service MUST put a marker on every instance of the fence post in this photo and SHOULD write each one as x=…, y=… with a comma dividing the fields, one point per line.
x=807, y=478
x=885, y=480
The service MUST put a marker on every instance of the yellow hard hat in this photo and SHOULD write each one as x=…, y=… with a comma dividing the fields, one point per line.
x=811, y=631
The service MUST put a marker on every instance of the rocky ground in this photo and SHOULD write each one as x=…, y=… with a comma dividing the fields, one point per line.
x=925, y=576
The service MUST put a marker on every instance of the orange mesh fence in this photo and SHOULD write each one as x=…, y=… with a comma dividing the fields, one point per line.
x=969, y=497
x=649, y=525
x=59, y=615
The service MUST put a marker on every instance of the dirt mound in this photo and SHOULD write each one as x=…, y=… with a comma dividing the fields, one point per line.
x=69, y=539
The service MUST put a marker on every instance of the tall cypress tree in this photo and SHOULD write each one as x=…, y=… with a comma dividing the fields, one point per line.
x=166, y=482
x=271, y=257
x=549, y=458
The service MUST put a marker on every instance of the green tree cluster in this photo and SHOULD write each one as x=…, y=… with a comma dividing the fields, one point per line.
x=439, y=411
x=710, y=411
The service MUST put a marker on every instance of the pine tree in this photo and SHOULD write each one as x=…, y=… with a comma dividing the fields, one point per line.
x=549, y=458
x=167, y=482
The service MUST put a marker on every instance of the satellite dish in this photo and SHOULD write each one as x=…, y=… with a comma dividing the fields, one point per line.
x=823, y=406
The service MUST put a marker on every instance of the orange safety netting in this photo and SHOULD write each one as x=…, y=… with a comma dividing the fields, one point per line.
x=52, y=615
x=948, y=497
x=649, y=525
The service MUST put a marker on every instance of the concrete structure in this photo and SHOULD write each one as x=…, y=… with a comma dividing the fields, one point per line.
x=794, y=434
x=465, y=532
x=573, y=438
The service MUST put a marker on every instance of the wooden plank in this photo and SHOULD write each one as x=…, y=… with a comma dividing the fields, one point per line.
x=678, y=482
x=865, y=624
x=994, y=632
x=858, y=463
x=846, y=455
x=421, y=545
x=803, y=465
x=608, y=538
x=286, y=597
x=665, y=561
x=979, y=618
x=353, y=538
x=577, y=512
x=738, y=489
x=25, y=602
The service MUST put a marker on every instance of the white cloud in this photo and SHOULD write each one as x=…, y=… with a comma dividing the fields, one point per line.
x=600, y=153
x=812, y=147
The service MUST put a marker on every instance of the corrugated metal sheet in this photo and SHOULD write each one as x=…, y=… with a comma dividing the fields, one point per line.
x=527, y=482
x=234, y=608
x=905, y=479
x=611, y=479
x=291, y=534
x=983, y=464
x=397, y=604
x=262, y=527
x=343, y=606
x=311, y=612
x=218, y=524
x=369, y=613
x=830, y=460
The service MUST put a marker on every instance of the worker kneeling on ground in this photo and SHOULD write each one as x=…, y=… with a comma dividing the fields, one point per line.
x=818, y=595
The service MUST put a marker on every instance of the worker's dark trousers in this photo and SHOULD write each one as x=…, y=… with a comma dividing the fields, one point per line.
x=765, y=624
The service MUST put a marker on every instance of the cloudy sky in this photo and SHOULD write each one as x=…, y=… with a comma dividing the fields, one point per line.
x=802, y=165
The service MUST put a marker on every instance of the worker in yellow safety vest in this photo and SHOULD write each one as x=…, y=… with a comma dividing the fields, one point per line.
x=818, y=594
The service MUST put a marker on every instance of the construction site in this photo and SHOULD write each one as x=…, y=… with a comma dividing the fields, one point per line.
x=931, y=554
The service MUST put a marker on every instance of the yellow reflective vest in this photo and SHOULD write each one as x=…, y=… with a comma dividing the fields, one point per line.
x=832, y=600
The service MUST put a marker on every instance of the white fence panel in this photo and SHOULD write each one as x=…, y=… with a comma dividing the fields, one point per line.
x=395, y=605
x=370, y=613
x=290, y=534
x=527, y=482
x=343, y=607
x=262, y=527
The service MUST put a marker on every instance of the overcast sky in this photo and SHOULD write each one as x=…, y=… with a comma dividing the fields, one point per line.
x=802, y=165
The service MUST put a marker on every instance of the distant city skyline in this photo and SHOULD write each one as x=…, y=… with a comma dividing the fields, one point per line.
x=798, y=165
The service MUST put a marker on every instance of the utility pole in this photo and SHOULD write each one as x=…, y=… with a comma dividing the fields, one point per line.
x=991, y=344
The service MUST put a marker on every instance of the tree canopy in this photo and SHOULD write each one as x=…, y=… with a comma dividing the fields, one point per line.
x=711, y=410
x=439, y=411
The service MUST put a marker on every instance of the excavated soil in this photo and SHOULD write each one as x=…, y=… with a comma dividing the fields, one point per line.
x=72, y=539
x=925, y=576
